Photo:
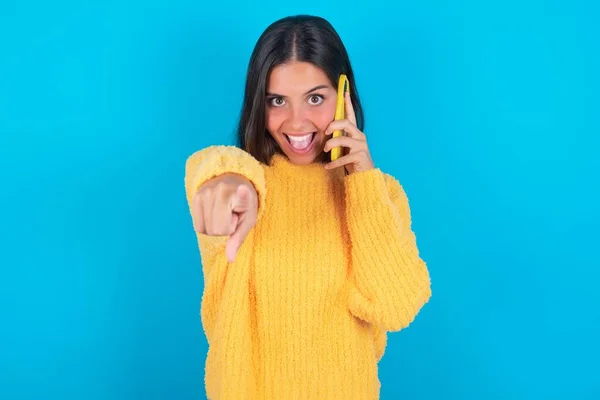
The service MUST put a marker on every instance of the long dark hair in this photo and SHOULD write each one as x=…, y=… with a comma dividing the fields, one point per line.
x=302, y=38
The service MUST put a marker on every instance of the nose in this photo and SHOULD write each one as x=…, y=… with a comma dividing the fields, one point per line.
x=297, y=118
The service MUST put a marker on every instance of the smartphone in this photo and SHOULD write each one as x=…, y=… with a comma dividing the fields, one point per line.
x=340, y=112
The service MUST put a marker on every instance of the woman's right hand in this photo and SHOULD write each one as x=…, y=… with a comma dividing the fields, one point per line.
x=226, y=205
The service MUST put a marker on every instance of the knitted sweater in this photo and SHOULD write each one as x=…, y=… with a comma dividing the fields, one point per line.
x=330, y=266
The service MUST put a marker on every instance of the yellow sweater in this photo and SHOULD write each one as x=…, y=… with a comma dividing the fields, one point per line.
x=330, y=266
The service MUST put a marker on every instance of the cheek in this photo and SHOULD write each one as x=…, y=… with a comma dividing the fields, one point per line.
x=274, y=120
x=323, y=116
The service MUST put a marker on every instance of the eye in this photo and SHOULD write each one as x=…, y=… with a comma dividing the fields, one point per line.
x=276, y=101
x=316, y=99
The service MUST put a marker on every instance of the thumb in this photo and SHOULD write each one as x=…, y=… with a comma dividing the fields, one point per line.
x=240, y=201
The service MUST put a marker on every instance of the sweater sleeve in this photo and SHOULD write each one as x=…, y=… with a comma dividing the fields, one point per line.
x=200, y=167
x=390, y=281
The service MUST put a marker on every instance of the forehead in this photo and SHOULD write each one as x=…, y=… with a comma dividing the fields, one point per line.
x=296, y=76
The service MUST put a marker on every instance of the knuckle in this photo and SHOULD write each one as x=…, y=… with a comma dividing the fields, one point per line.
x=221, y=189
x=207, y=192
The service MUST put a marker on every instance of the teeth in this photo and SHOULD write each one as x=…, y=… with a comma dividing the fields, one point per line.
x=300, y=138
x=300, y=142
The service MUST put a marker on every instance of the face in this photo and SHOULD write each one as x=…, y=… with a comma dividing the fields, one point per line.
x=300, y=106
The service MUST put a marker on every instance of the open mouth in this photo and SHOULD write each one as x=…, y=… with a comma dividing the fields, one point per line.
x=301, y=143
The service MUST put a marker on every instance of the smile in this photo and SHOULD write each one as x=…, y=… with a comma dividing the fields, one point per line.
x=301, y=143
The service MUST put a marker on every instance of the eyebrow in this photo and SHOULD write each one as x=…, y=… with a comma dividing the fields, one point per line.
x=310, y=91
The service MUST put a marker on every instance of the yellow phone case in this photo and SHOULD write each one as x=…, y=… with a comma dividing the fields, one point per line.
x=343, y=87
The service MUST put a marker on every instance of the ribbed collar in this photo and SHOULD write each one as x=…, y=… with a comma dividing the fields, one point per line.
x=315, y=171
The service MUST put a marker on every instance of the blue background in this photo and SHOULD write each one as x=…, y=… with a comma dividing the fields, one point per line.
x=487, y=112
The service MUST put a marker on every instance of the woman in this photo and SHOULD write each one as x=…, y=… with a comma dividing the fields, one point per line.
x=307, y=263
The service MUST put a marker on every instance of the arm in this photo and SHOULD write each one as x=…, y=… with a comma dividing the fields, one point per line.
x=390, y=281
x=200, y=167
